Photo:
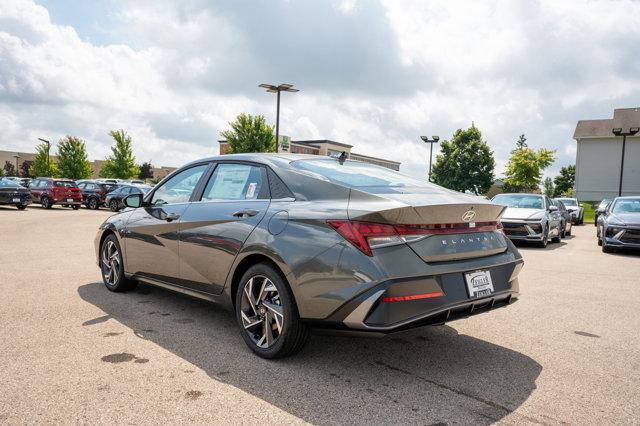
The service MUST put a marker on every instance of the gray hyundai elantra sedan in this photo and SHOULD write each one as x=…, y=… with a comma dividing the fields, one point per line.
x=295, y=242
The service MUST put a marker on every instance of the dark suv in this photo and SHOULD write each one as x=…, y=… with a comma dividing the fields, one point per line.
x=94, y=193
x=50, y=191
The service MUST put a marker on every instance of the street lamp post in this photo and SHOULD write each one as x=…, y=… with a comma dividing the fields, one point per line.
x=284, y=87
x=618, y=132
x=434, y=139
x=48, y=148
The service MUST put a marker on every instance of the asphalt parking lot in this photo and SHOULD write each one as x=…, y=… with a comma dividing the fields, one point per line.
x=71, y=352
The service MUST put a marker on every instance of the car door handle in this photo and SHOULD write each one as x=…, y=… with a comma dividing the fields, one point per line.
x=245, y=213
x=171, y=217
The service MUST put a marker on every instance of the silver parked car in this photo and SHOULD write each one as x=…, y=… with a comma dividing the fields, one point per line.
x=619, y=224
x=575, y=209
x=566, y=218
x=530, y=217
x=291, y=242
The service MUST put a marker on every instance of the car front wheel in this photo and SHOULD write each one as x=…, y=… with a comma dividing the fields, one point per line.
x=267, y=314
x=112, y=267
x=113, y=205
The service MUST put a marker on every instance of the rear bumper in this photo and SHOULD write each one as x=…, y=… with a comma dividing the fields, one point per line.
x=63, y=200
x=23, y=200
x=369, y=312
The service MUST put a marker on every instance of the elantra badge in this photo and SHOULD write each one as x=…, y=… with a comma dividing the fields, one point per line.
x=468, y=216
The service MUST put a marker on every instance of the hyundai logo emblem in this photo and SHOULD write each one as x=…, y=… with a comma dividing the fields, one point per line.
x=468, y=216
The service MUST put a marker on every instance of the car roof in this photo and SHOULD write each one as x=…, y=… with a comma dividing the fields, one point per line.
x=271, y=158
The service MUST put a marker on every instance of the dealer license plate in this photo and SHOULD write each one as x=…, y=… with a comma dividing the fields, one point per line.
x=70, y=200
x=479, y=283
x=16, y=200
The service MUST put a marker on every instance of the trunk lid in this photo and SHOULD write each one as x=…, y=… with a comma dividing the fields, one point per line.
x=462, y=221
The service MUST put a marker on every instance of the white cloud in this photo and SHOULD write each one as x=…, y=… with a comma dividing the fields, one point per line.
x=373, y=75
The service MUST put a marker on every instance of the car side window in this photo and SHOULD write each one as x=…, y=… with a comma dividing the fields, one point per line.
x=178, y=188
x=232, y=181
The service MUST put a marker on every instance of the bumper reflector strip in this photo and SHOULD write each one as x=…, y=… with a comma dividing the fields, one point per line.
x=413, y=297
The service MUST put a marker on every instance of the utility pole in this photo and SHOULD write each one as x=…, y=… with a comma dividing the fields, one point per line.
x=434, y=139
x=271, y=88
x=48, y=149
x=618, y=132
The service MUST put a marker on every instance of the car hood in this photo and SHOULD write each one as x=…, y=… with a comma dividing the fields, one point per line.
x=517, y=213
x=627, y=218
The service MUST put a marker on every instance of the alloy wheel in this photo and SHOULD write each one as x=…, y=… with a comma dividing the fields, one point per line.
x=113, y=205
x=110, y=263
x=93, y=203
x=261, y=311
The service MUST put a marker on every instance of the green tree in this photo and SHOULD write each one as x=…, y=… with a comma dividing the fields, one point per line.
x=24, y=169
x=121, y=164
x=1, y=173
x=525, y=167
x=564, y=181
x=9, y=168
x=42, y=166
x=465, y=163
x=250, y=134
x=73, y=162
x=146, y=171
x=548, y=187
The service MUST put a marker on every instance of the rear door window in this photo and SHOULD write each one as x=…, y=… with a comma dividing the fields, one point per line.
x=233, y=181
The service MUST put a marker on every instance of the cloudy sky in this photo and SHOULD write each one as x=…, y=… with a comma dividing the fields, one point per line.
x=374, y=74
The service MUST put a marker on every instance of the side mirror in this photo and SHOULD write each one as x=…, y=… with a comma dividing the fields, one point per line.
x=553, y=208
x=600, y=211
x=133, y=200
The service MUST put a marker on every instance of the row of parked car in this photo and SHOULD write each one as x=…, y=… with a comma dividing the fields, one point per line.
x=537, y=218
x=47, y=192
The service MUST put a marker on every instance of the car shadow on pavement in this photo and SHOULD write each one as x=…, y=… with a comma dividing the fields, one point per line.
x=427, y=375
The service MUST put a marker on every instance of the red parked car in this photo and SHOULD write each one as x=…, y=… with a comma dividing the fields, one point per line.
x=50, y=191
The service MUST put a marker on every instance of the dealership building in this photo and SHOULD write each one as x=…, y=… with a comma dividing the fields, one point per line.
x=599, y=159
x=322, y=147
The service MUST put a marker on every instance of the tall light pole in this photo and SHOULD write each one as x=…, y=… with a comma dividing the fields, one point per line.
x=284, y=87
x=48, y=148
x=434, y=139
x=618, y=132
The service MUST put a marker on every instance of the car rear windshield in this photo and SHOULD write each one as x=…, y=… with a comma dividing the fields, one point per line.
x=568, y=201
x=6, y=183
x=356, y=174
x=627, y=205
x=65, y=184
x=521, y=201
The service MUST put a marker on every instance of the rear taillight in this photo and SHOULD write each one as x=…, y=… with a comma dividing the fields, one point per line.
x=368, y=235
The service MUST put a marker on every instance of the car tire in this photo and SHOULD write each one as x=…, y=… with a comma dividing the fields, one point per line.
x=45, y=202
x=112, y=266
x=605, y=247
x=21, y=206
x=75, y=206
x=113, y=206
x=93, y=203
x=600, y=241
x=563, y=234
x=271, y=305
x=556, y=239
x=544, y=242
